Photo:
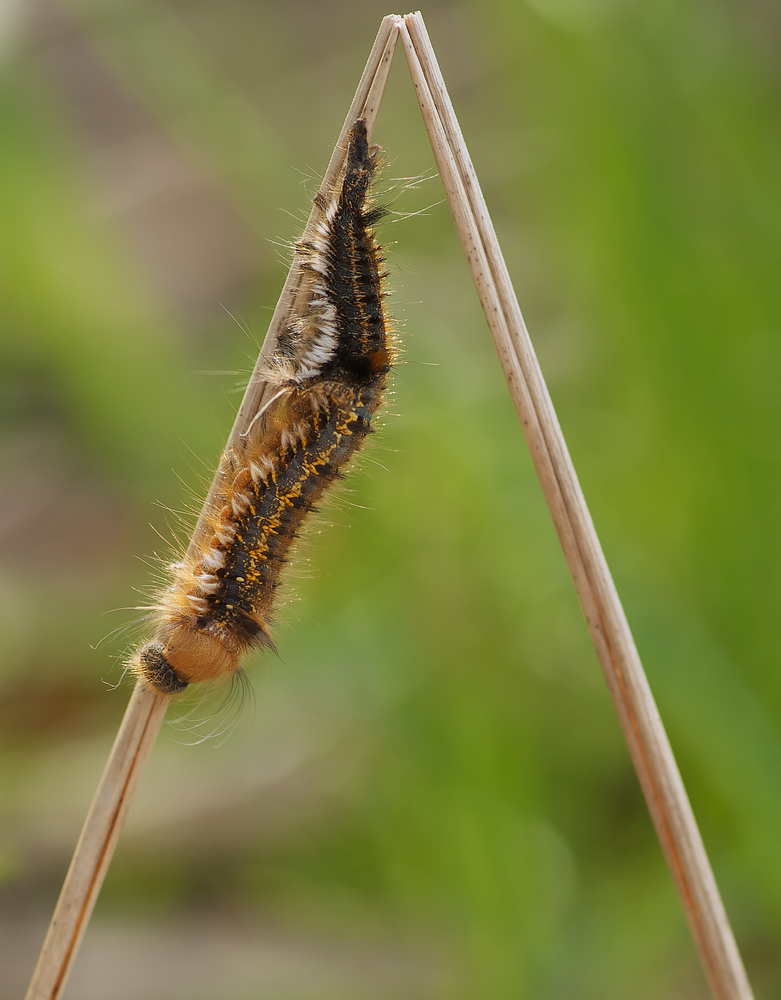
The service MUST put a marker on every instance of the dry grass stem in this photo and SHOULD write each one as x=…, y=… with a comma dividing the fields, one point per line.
x=145, y=711
x=102, y=827
x=648, y=745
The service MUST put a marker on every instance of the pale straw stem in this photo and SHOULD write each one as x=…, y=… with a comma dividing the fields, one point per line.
x=146, y=709
x=104, y=822
x=650, y=750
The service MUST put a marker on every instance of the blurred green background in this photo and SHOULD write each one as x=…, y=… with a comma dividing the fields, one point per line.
x=427, y=795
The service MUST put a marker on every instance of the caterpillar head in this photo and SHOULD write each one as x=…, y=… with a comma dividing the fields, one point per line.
x=185, y=655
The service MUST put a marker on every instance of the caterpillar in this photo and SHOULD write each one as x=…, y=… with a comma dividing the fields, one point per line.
x=330, y=368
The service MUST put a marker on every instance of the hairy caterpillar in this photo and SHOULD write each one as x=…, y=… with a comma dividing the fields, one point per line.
x=331, y=367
